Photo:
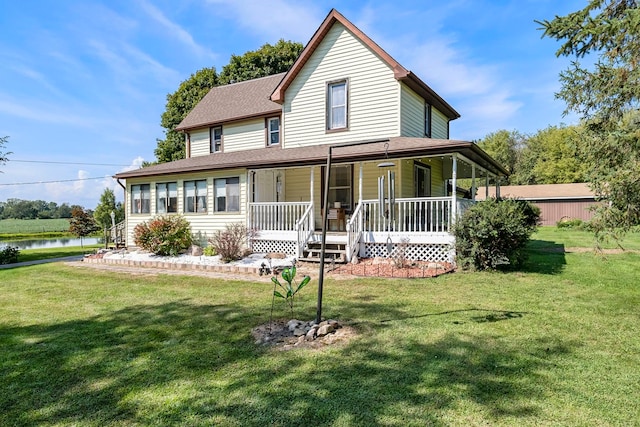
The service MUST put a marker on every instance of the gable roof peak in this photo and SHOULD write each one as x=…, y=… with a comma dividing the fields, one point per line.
x=400, y=72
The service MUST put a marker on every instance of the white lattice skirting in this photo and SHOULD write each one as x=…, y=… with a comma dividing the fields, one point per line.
x=417, y=252
x=280, y=246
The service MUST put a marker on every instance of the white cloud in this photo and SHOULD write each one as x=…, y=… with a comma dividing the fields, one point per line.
x=276, y=19
x=175, y=30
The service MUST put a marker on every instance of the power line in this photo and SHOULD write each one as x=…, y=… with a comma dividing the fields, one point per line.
x=65, y=163
x=52, y=182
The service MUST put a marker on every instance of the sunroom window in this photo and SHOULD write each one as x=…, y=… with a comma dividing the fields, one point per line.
x=167, y=197
x=227, y=194
x=195, y=196
x=141, y=198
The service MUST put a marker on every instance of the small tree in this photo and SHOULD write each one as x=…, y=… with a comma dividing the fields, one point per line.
x=230, y=242
x=82, y=223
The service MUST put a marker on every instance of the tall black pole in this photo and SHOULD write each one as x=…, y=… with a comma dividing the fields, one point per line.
x=325, y=222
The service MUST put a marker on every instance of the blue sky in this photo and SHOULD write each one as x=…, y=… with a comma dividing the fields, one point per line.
x=83, y=82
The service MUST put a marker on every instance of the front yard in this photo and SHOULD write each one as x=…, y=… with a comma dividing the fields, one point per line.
x=556, y=344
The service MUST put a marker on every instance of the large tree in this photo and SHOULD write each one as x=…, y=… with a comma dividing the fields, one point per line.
x=179, y=103
x=265, y=61
x=606, y=93
x=506, y=147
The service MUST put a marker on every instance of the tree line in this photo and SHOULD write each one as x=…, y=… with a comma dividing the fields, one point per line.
x=35, y=209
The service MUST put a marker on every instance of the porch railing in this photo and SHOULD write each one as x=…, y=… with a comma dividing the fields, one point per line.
x=305, y=228
x=354, y=231
x=117, y=234
x=280, y=216
x=422, y=215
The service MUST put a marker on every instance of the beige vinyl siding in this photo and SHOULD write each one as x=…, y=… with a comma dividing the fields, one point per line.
x=244, y=135
x=372, y=93
x=203, y=225
x=412, y=113
x=438, y=124
x=200, y=142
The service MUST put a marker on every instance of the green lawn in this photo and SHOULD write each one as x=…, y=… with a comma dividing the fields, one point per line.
x=48, y=253
x=556, y=344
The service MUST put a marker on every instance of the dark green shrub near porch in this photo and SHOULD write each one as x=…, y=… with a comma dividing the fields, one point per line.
x=164, y=235
x=493, y=234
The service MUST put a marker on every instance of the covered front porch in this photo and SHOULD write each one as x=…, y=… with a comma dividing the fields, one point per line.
x=366, y=219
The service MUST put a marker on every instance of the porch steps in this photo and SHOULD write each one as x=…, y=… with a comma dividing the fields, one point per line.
x=334, y=252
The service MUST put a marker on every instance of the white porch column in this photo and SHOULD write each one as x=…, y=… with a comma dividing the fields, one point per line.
x=497, y=187
x=361, y=174
x=454, y=185
x=311, y=180
x=473, y=182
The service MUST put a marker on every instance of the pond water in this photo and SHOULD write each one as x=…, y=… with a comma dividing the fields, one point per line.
x=59, y=242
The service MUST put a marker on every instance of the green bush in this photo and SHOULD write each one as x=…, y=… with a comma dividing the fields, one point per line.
x=574, y=223
x=164, y=235
x=209, y=251
x=9, y=255
x=493, y=234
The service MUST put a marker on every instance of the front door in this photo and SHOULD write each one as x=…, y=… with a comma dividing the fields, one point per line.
x=268, y=185
x=422, y=179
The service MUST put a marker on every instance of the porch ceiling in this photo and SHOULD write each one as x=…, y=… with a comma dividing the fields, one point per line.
x=262, y=158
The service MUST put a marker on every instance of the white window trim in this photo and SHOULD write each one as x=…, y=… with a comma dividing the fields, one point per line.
x=212, y=142
x=227, y=196
x=270, y=132
x=330, y=106
x=168, y=197
x=196, y=196
x=141, y=204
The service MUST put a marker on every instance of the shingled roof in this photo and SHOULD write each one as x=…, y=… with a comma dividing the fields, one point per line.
x=274, y=157
x=236, y=101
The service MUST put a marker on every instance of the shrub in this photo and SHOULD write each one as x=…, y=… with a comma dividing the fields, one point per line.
x=570, y=223
x=209, y=251
x=164, y=235
x=493, y=233
x=9, y=255
x=230, y=242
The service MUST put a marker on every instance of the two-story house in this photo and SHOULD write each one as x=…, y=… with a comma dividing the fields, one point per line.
x=257, y=153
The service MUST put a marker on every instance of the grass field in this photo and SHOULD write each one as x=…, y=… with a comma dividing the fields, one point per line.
x=555, y=344
x=15, y=228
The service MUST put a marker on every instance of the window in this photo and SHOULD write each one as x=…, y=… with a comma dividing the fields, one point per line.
x=427, y=120
x=340, y=186
x=273, y=131
x=422, y=179
x=216, y=139
x=167, y=197
x=195, y=196
x=141, y=198
x=337, y=105
x=227, y=194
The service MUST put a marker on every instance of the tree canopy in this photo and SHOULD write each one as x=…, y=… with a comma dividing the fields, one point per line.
x=607, y=96
x=546, y=157
x=267, y=60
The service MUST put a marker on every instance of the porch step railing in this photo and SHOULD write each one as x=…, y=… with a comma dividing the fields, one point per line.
x=305, y=229
x=280, y=216
x=117, y=235
x=354, y=231
x=422, y=215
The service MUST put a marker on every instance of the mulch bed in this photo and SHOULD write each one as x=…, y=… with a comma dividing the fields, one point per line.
x=381, y=267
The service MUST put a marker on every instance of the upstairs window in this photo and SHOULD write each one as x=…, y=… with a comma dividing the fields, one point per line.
x=195, y=196
x=337, y=105
x=427, y=120
x=167, y=197
x=141, y=199
x=216, y=139
x=227, y=194
x=273, y=131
